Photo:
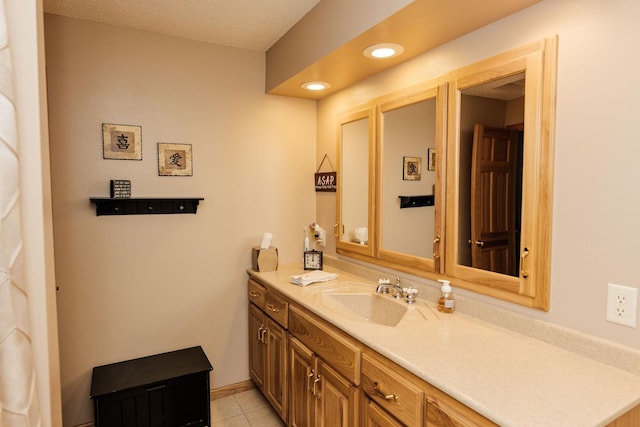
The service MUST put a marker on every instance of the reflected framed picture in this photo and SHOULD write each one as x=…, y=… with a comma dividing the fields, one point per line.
x=431, y=155
x=174, y=159
x=412, y=170
x=121, y=142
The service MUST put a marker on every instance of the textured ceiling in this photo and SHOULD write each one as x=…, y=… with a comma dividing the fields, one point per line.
x=248, y=24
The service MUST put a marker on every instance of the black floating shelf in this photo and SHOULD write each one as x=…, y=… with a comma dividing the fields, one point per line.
x=416, y=201
x=145, y=206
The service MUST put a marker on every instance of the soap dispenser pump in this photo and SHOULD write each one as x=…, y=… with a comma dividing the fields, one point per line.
x=446, y=302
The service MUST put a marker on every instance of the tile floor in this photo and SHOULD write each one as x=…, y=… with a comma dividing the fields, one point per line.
x=246, y=409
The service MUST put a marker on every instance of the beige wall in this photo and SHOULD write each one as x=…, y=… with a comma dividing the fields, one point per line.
x=137, y=285
x=25, y=32
x=596, y=200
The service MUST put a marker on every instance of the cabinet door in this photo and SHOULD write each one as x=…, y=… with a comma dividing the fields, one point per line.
x=374, y=416
x=337, y=399
x=257, y=359
x=276, y=368
x=302, y=376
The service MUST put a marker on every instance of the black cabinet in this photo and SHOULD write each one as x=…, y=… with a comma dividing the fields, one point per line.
x=169, y=389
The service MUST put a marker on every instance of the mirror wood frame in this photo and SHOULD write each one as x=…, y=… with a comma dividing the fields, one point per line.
x=412, y=263
x=539, y=59
x=368, y=113
x=531, y=287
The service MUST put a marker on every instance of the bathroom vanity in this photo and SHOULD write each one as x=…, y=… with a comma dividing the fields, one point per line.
x=338, y=354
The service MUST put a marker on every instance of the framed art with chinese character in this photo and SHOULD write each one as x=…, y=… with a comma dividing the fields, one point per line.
x=174, y=159
x=121, y=142
x=412, y=170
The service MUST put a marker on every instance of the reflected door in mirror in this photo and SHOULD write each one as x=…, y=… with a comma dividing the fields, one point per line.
x=496, y=199
x=491, y=147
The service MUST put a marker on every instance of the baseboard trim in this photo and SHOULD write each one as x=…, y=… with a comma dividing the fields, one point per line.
x=231, y=389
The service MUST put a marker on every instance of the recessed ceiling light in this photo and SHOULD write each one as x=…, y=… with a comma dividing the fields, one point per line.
x=383, y=50
x=315, y=85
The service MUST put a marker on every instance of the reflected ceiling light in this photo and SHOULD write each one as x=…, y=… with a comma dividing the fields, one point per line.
x=383, y=50
x=315, y=86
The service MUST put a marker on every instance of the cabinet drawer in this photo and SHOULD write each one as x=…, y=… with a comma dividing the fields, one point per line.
x=397, y=394
x=277, y=309
x=340, y=352
x=257, y=293
x=443, y=410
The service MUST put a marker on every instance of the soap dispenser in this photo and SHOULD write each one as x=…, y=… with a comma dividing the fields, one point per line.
x=446, y=302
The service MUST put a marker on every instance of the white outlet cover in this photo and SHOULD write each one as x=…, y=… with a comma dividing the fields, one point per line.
x=622, y=305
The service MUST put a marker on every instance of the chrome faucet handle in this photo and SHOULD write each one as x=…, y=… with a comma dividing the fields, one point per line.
x=410, y=294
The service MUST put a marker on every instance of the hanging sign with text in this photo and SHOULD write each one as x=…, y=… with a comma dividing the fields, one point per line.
x=326, y=181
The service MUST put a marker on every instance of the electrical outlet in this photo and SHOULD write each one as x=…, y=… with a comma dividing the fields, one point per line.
x=622, y=304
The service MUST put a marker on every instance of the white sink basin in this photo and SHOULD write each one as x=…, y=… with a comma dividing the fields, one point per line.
x=371, y=307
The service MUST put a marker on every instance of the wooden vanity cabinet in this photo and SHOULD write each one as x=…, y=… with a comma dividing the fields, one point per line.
x=276, y=372
x=314, y=375
x=319, y=395
x=257, y=352
x=337, y=401
x=324, y=372
x=268, y=346
x=302, y=375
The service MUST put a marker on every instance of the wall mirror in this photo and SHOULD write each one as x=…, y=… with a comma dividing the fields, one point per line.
x=356, y=133
x=409, y=221
x=489, y=127
x=490, y=174
x=500, y=150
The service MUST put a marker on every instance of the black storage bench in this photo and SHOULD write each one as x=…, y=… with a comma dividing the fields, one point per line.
x=169, y=389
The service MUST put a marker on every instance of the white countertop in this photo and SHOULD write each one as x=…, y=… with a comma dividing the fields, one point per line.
x=510, y=378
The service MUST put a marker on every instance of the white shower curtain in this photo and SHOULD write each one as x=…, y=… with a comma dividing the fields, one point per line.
x=18, y=402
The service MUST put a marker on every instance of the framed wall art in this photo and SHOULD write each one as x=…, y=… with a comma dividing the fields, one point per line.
x=174, y=159
x=121, y=142
x=412, y=170
x=431, y=156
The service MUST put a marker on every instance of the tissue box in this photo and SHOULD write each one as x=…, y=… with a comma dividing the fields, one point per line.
x=264, y=259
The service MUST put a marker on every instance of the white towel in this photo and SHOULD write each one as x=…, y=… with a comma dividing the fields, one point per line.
x=312, y=277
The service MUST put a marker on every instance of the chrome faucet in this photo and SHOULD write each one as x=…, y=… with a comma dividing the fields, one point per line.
x=384, y=285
